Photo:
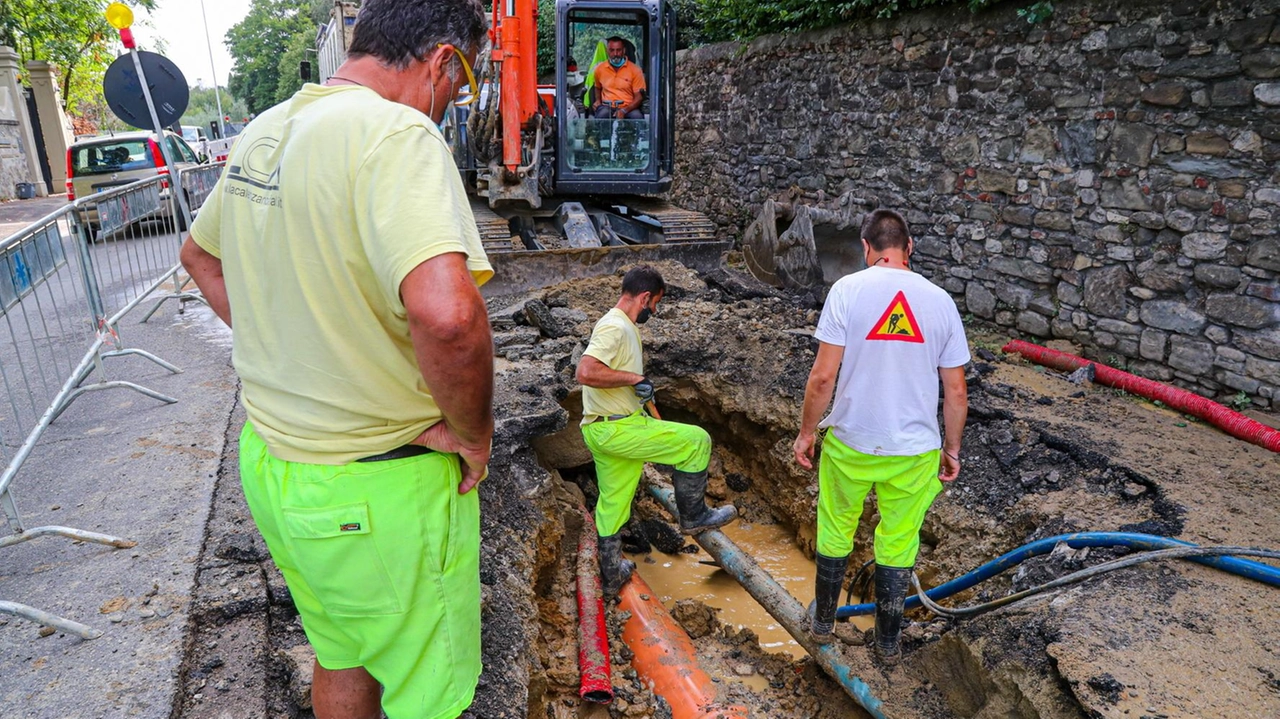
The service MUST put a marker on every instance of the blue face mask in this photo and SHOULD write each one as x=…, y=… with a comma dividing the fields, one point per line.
x=617, y=61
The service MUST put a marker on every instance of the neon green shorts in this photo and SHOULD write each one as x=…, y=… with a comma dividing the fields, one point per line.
x=383, y=562
x=905, y=489
x=620, y=449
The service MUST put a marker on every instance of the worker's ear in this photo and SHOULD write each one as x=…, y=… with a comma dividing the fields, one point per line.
x=437, y=64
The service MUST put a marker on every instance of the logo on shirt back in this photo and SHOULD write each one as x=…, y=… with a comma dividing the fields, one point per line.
x=257, y=177
x=897, y=323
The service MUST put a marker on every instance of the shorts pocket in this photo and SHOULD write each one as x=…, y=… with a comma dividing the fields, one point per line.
x=335, y=552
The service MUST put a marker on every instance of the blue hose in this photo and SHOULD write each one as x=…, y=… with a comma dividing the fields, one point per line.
x=1243, y=567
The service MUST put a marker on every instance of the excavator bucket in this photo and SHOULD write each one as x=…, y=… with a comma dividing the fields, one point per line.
x=800, y=243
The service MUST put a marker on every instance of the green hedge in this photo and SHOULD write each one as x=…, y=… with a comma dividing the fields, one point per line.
x=719, y=20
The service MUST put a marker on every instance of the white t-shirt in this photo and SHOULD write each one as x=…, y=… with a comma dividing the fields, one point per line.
x=897, y=330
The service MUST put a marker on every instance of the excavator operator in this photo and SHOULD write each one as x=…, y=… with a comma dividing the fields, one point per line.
x=620, y=85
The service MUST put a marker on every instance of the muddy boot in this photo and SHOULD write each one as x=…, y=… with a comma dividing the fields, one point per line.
x=891, y=593
x=614, y=570
x=691, y=501
x=826, y=595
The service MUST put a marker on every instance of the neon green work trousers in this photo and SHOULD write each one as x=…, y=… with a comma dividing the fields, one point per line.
x=620, y=449
x=905, y=489
x=383, y=562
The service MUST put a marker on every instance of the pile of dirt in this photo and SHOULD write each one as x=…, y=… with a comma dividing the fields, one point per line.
x=1042, y=456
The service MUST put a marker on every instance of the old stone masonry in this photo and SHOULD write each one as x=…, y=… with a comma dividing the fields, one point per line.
x=1110, y=175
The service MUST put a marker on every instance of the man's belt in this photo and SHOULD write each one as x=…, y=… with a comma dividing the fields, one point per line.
x=610, y=418
x=408, y=450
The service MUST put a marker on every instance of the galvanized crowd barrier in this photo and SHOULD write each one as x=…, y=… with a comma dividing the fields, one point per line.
x=66, y=283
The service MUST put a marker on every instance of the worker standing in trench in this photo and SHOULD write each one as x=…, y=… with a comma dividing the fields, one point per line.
x=622, y=430
x=886, y=334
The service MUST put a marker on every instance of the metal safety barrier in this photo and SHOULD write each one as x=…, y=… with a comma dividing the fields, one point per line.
x=66, y=283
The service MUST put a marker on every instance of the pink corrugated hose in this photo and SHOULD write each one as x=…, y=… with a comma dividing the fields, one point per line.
x=1224, y=418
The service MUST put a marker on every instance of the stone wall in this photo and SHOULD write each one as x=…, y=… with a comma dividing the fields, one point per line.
x=13, y=163
x=1110, y=176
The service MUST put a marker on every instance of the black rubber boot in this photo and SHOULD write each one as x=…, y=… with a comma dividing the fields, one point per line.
x=891, y=592
x=826, y=595
x=614, y=570
x=691, y=501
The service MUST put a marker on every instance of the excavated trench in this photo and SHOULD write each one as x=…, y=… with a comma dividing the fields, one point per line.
x=733, y=356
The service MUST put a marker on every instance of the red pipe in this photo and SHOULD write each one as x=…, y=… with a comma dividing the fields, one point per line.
x=1224, y=418
x=593, y=638
x=665, y=658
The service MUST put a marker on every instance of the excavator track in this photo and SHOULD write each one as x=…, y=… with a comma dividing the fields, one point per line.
x=679, y=226
x=495, y=230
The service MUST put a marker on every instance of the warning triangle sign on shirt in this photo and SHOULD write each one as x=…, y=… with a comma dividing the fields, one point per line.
x=897, y=323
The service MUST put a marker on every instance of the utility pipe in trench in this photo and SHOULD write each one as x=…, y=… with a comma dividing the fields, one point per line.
x=1248, y=569
x=596, y=678
x=1224, y=418
x=665, y=658
x=779, y=603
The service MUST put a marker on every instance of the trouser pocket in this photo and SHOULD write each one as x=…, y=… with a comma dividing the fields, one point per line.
x=334, y=550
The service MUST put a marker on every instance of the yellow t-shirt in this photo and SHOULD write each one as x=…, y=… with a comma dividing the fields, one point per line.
x=615, y=341
x=328, y=201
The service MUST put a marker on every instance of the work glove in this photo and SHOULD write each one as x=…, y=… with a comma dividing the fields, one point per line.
x=644, y=390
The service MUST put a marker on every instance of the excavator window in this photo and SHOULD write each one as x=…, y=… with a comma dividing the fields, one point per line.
x=612, y=134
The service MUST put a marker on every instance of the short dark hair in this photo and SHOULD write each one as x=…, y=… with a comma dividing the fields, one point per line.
x=883, y=229
x=641, y=279
x=400, y=31
x=615, y=38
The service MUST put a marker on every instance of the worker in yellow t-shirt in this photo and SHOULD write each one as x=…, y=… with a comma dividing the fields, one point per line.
x=619, y=85
x=340, y=241
x=622, y=435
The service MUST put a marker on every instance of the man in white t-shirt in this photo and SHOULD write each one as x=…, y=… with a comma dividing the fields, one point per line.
x=886, y=335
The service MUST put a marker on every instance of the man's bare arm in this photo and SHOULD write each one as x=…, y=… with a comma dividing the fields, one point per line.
x=206, y=272
x=955, y=410
x=449, y=326
x=817, y=397
x=594, y=373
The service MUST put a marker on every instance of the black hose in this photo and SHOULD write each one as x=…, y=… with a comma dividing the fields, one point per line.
x=864, y=576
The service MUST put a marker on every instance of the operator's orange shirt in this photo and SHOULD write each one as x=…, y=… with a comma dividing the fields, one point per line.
x=622, y=83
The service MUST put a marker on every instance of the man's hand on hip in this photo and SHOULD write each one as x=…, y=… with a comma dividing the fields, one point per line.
x=475, y=459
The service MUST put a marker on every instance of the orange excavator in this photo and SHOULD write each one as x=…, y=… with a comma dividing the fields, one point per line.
x=556, y=191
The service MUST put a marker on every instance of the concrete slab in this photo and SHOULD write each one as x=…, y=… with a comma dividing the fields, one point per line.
x=120, y=463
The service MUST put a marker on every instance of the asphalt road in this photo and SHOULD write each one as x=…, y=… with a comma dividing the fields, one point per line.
x=120, y=463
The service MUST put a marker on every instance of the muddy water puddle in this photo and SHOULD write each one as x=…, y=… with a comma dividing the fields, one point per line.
x=684, y=576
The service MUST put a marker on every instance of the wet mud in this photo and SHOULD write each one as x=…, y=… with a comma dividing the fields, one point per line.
x=1042, y=456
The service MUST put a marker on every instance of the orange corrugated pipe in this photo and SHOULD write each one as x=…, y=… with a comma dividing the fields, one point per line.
x=665, y=658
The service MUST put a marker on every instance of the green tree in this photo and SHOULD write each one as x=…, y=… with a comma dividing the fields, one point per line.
x=257, y=44
x=203, y=107
x=73, y=35
x=300, y=48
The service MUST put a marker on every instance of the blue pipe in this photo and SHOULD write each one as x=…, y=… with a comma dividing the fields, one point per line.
x=1243, y=567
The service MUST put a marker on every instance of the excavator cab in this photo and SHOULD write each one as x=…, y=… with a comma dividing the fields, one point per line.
x=625, y=49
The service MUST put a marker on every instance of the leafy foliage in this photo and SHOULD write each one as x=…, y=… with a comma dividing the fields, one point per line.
x=744, y=19
x=1036, y=13
x=73, y=35
x=203, y=107
x=259, y=42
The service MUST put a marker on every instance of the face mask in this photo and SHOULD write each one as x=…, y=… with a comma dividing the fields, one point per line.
x=574, y=78
x=617, y=61
x=644, y=316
